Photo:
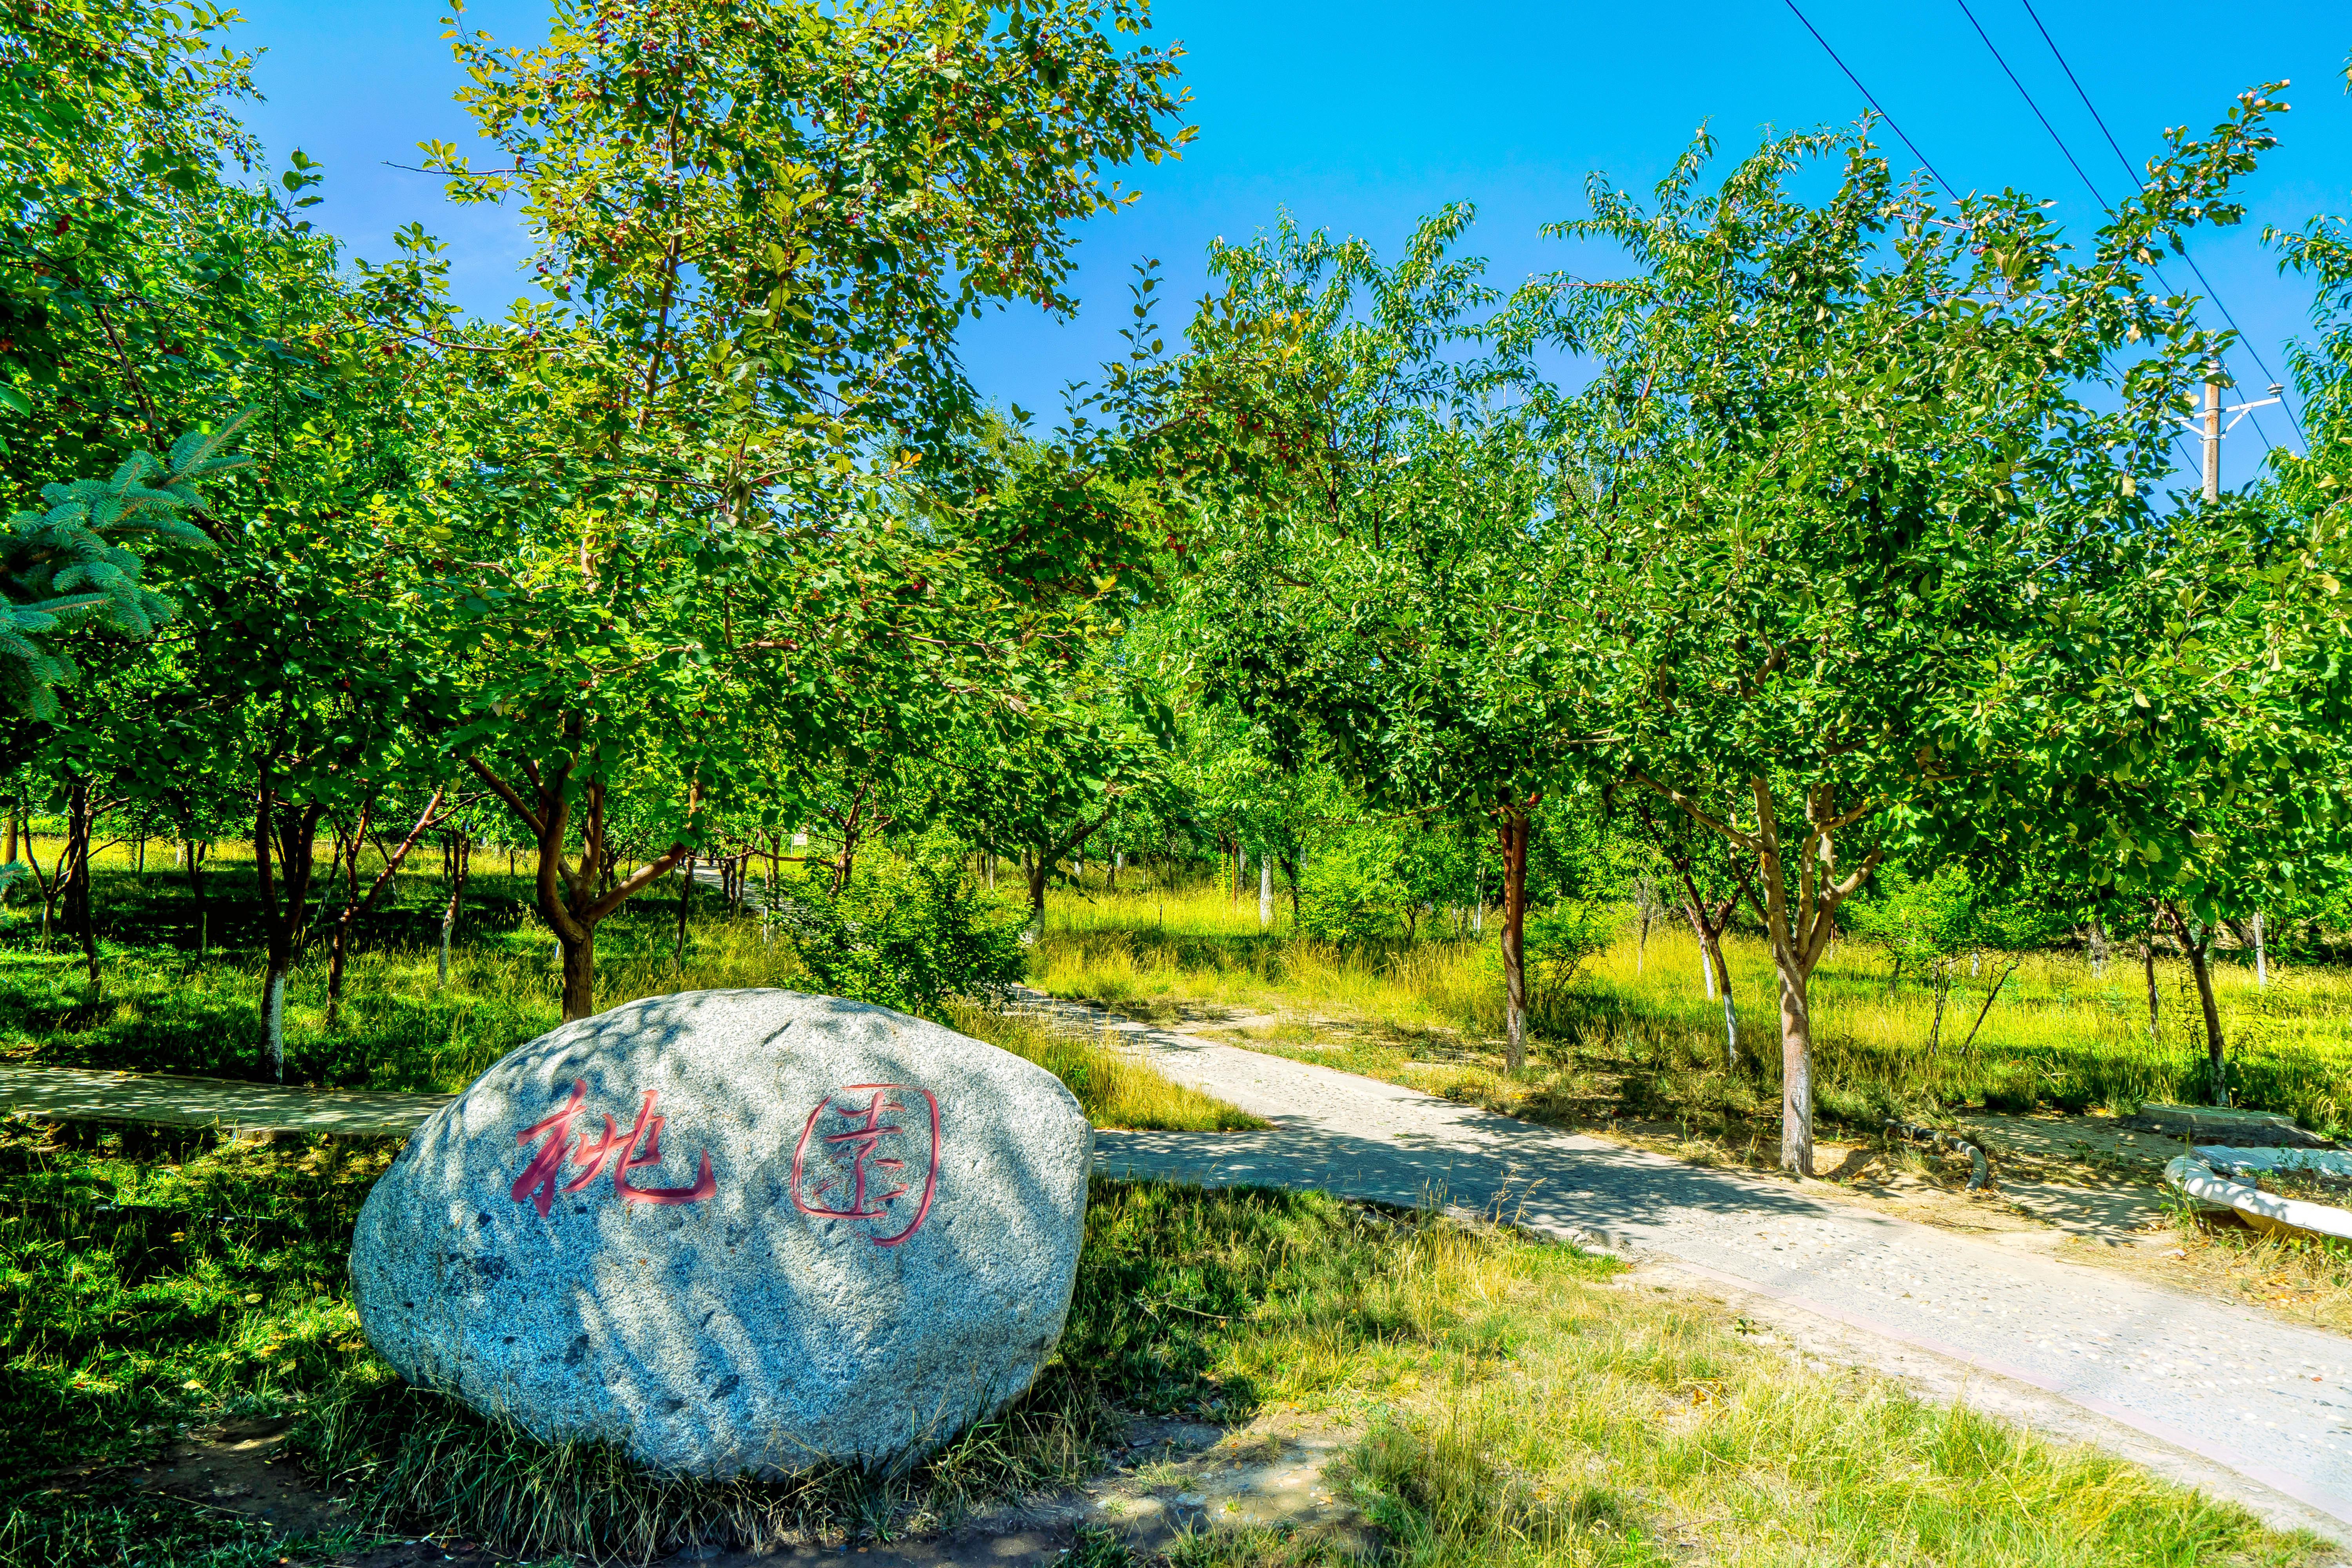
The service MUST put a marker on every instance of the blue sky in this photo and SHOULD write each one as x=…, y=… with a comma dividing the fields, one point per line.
x=1359, y=117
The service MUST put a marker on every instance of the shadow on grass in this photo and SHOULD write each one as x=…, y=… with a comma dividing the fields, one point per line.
x=108, y=1521
x=1179, y=1291
x=161, y=1281
x=162, y=1006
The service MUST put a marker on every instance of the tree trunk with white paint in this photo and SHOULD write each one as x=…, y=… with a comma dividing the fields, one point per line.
x=273, y=1019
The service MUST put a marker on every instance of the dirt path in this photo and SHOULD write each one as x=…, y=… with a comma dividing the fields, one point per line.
x=2267, y=1401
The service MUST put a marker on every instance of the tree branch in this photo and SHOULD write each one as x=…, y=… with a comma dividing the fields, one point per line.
x=506, y=792
x=651, y=871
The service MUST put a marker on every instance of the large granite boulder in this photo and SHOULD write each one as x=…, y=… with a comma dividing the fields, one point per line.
x=734, y=1230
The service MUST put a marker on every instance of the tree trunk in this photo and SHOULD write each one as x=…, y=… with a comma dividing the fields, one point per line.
x=78, y=813
x=684, y=891
x=285, y=856
x=1117, y=863
x=579, y=975
x=1707, y=966
x=1514, y=837
x=1039, y=867
x=1800, y=930
x=1796, y=1064
x=2148, y=962
x=1265, y=893
x=50, y=889
x=460, y=849
x=2262, y=954
x=273, y=1019
x=347, y=861
x=8, y=854
x=2217, y=1066
x=1989, y=997
x=1730, y=1006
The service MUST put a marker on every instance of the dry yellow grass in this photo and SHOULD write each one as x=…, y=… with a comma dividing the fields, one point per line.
x=2058, y=1032
x=1530, y=1409
x=1114, y=1084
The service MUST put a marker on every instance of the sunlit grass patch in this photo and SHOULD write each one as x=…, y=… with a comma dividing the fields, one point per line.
x=1517, y=1404
x=404, y=1026
x=1212, y=1306
x=1115, y=1085
x=1635, y=1032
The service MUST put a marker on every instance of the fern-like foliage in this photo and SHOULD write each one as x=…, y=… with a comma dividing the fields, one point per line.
x=66, y=565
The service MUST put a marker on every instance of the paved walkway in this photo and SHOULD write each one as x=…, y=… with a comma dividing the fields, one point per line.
x=2268, y=1400
x=162, y=1099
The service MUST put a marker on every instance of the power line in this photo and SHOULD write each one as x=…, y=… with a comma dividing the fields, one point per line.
x=2088, y=183
x=1948, y=188
x=2064, y=150
x=2133, y=174
x=1867, y=98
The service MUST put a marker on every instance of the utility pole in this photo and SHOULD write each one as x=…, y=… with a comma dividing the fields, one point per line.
x=2212, y=440
x=2208, y=427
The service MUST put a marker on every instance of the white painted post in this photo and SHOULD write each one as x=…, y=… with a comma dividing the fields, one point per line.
x=1265, y=893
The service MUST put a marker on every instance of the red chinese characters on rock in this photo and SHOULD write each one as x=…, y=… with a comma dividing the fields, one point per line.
x=542, y=1180
x=848, y=1131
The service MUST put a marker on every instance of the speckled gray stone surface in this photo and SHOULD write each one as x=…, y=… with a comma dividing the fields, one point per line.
x=734, y=1230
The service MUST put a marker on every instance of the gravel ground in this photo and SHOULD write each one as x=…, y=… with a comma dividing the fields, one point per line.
x=2269, y=1401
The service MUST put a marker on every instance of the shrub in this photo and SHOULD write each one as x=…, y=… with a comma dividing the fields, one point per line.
x=906, y=932
x=1351, y=892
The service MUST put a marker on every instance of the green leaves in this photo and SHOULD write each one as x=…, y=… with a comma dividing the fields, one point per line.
x=63, y=566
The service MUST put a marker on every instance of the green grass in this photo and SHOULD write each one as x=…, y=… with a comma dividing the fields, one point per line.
x=1636, y=1036
x=165, y=1006
x=110, y=1522
x=1113, y=1082
x=1519, y=1403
